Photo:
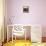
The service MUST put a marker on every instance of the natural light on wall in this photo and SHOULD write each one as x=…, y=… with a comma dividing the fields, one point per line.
x=1, y=15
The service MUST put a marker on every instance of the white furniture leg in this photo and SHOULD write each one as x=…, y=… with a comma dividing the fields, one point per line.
x=7, y=33
x=12, y=36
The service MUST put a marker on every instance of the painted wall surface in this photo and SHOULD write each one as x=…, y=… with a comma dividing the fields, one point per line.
x=36, y=15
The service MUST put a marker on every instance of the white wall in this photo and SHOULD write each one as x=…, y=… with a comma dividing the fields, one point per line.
x=36, y=15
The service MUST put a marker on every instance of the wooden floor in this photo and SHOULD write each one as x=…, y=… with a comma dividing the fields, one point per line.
x=23, y=43
x=18, y=43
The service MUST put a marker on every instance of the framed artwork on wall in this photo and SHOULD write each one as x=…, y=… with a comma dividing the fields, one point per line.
x=25, y=9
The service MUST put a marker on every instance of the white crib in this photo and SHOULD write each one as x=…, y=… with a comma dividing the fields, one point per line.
x=35, y=32
x=16, y=32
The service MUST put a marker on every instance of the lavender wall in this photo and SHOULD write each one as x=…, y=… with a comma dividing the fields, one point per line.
x=36, y=15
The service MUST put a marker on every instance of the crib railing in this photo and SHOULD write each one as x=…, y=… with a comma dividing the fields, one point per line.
x=18, y=30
